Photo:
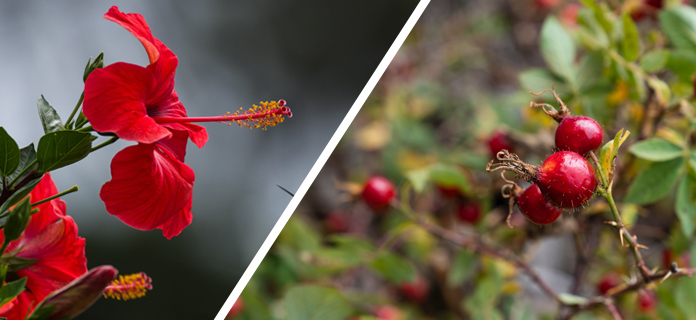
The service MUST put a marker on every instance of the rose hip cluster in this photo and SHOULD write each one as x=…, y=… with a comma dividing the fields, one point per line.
x=565, y=180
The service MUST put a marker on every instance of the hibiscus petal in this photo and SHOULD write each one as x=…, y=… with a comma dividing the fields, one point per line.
x=163, y=62
x=61, y=257
x=178, y=222
x=115, y=102
x=149, y=186
x=59, y=251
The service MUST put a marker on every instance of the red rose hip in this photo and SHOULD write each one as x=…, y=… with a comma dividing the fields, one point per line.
x=236, y=310
x=608, y=282
x=499, y=141
x=378, y=193
x=535, y=207
x=566, y=179
x=578, y=134
x=469, y=213
x=415, y=291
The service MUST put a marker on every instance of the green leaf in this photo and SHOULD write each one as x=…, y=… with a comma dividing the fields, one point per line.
x=446, y=175
x=558, y=48
x=599, y=15
x=609, y=152
x=656, y=149
x=462, y=267
x=571, y=299
x=662, y=91
x=590, y=70
x=20, y=194
x=685, y=206
x=684, y=297
x=654, y=61
x=62, y=148
x=17, y=263
x=42, y=313
x=631, y=40
x=9, y=153
x=26, y=158
x=655, y=182
x=315, y=303
x=537, y=80
x=679, y=24
x=418, y=178
x=49, y=117
x=393, y=268
x=18, y=220
x=10, y=290
x=683, y=63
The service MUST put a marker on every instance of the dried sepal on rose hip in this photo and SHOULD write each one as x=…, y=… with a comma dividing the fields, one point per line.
x=531, y=203
x=566, y=179
x=574, y=133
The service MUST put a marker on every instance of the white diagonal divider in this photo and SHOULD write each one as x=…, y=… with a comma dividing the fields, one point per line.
x=322, y=159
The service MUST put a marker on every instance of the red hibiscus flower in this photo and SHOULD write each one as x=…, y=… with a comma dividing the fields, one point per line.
x=50, y=238
x=151, y=187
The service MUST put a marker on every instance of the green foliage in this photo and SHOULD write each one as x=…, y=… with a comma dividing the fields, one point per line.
x=315, y=303
x=11, y=289
x=9, y=153
x=61, y=148
x=17, y=221
x=655, y=182
x=656, y=149
x=393, y=268
x=558, y=49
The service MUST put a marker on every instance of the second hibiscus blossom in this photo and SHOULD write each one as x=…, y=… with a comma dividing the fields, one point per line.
x=151, y=187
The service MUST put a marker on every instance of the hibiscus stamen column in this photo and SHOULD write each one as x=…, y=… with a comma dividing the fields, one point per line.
x=268, y=114
x=129, y=287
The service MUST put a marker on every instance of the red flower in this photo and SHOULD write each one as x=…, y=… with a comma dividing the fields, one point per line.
x=50, y=238
x=151, y=187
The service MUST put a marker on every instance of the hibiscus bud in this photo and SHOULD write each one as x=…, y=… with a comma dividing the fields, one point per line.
x=76, y=296
x=98, y=63
x=17, y=221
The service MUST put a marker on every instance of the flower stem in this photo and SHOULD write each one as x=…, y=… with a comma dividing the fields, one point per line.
x=104, y=144
x=58, y=195
x=605, y=192
x=85, y=129
x=77, y=107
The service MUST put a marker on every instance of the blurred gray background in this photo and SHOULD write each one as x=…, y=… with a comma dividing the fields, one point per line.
x=317, y=55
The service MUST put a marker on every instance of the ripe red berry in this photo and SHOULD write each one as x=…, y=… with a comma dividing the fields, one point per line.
x=499, y=142
x=336, y=222
x=415, y=291
x=578, y=134
x=535, y=207
x=236, y=310
x=566, y=179
x=546, y=4
x=569, y=14
x=378, y=193
x=668, y=256
x=469, y=212
x=448, y=191
x=387, y=312
x=608, y=282
x=647, y=301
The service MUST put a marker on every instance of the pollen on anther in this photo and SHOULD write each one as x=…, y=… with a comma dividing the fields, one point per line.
x=128, y=287
x=266, y=114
